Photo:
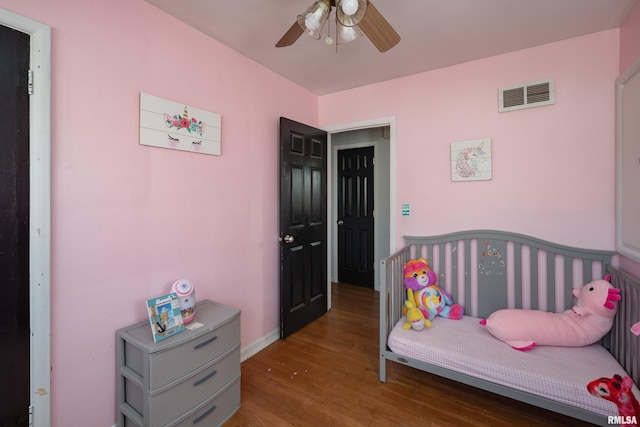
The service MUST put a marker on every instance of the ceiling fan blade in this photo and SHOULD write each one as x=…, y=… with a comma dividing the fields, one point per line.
x=290, y=36
x=378, y=30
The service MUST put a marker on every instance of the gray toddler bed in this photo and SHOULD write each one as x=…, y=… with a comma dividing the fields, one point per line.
x=488, y=270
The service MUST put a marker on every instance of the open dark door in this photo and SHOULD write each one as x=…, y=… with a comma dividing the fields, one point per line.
x=303, y=225
x=355, y=216
x=14, y=227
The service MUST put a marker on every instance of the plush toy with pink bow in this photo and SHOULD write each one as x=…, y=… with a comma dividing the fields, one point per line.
x=588, y=321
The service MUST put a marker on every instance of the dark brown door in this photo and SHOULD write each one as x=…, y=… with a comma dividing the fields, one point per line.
x=355, y=216
x=14, y=227
x=303, y=225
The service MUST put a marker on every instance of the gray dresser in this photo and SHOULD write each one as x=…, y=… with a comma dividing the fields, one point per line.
x=192, y=378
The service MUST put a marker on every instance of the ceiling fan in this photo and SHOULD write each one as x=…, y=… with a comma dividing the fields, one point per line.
x=353, y=17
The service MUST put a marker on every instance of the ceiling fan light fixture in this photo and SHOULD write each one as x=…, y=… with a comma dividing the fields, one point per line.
x=347, y=34
x=349, y=7
x=314, y=18
x=351, y=12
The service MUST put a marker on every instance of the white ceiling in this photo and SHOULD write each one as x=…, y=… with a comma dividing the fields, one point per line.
x=435, y=34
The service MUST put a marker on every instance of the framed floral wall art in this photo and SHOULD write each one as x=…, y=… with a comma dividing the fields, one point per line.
x=471, y=160
x=169, y=124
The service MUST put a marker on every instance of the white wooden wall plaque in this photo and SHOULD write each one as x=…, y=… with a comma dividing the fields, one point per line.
x=628, y=163
x=471, y=160
x=169, y=124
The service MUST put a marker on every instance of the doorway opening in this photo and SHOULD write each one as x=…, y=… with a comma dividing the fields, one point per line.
x=381, y=135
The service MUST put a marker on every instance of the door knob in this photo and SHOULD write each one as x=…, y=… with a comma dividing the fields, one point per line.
x=340, y=222
x=288, y=238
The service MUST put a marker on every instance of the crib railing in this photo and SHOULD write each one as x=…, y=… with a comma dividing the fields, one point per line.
x=487, y=270
x=621, y=342
x=392, y=294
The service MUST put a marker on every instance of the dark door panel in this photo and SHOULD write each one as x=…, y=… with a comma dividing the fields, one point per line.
x=303, y=228
x=356, y=216
x=14, y=227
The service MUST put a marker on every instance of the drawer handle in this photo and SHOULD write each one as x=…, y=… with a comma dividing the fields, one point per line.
x=203, y=416
x=203, y=379
x=203, y=343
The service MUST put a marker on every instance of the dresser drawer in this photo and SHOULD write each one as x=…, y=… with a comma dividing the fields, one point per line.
x=216, y=411
x=168, y=366
x=194, y=390
x=167, y=382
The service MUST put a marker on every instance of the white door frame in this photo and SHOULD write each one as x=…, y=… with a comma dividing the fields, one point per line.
x=379, y=122
x=39, y=214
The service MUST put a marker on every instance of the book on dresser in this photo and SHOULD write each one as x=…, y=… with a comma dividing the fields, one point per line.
x=165, y=316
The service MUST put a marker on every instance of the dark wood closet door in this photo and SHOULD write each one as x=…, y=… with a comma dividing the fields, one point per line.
x=14, y=227
x=355, y=216
x=303, y=225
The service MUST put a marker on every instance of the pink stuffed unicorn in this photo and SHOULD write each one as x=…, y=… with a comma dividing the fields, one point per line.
x=588, y=321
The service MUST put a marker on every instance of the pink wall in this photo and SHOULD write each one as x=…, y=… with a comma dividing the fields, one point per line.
x=629, y=54
x=128, y=220
x=553, y=167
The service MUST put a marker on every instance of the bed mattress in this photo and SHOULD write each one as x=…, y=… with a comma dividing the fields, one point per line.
x=557, y=373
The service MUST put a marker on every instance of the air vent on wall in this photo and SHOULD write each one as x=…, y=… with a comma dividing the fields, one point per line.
x=527, y=95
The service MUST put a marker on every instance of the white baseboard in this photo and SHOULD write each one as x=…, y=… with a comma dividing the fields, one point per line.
x=259, y=344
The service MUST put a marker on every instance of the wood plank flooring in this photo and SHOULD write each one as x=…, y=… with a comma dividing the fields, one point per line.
x=327, y=375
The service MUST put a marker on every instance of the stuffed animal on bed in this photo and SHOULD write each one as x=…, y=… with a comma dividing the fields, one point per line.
x=588, y=321
x=429, y=298
x=438, y=302
x=418, y=275
x=415, y=318
x=617, y=390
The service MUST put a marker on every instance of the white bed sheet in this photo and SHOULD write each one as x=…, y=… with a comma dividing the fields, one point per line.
x=557, y=373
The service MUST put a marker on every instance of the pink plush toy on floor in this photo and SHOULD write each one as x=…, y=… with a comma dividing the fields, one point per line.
x=588, y=321
x=619, y=391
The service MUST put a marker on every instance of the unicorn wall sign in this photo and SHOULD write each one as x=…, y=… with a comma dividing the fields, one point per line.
x=471, y=160
x=168, y=124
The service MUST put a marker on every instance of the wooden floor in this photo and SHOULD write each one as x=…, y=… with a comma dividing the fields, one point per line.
x=327, y=375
